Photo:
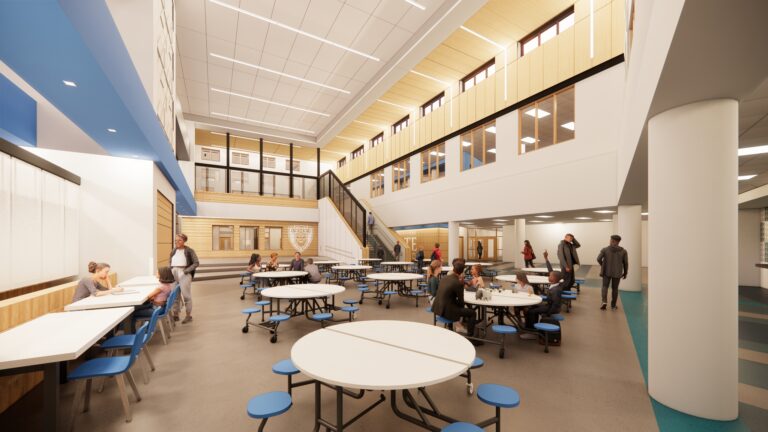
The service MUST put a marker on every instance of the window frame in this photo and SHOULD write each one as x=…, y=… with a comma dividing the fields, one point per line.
x=484, y=149
x=268, y=237
x=213, y=244
x=400, y=182
x=377, y=186
x=356, y=153
x=378, y=139
x=238, y=157
x=211, y=151
x=536, y=34
x=555, y=121
x=437, y=158
x=269, y=162
x=342, y=162
x=430, y=104
x=401, y=124
x=255, y=238
x=296, y=165
x=473, y=75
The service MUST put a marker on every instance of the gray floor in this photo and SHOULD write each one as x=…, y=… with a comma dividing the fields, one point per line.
x=210, y=369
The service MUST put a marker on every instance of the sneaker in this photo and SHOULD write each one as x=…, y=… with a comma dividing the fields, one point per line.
x=614, y=307
x=603, y=306
x=187, y=319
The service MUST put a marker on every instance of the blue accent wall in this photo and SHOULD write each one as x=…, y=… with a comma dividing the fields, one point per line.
x=18, y=115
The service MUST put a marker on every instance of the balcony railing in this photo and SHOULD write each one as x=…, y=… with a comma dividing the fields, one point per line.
x=349, y=207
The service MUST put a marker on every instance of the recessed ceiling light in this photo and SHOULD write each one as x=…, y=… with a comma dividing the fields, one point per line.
x=528, y=140
x=112, y=130
x=644, y=214
x=493, y=150
x=605, y=211
x=293, y=29
x=569, y=125
x=747, y=177
x=536, y=221
x=606, y=220
x=545, y=216
x=474, y=33
x=69, y=83
x=538, y=113
x=269, y=102
x=257, y=67
x=434, y=153
x=466, y=143
x=413, y=3
x=501, y=220
x=396, y=105
x=491, y=129
x=749, y=151
x=583, y=218
x=261, y=122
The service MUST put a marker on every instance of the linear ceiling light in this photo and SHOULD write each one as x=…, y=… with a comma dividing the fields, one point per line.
x=747, y=177
x=240, y=62
x=474, y=33
x=644, y=214
x=269, y=102
x=366, y=123
x=466, y=143
x=430, y=77
x=538, y=113
x=545, y=216
x=396, y=105
x=413, y=3
x=261, y=122
x=528, y=140
x=491, y=129
x=69, y=83
x=493, y=150
x=293, y=29
x=606, y=220
x=569, y=125
x=749, y=151
x=605, y=211
x=255, y=132
x=584, y=218
x=501, y=220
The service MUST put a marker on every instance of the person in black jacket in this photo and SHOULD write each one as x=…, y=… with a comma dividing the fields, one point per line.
x=449, y=301
x=552, y=304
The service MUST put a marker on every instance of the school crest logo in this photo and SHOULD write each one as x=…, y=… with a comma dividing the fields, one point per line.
x=300, y=237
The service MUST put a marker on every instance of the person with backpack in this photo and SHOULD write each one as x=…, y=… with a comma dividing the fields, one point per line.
x=528, y=255
x=436, y=254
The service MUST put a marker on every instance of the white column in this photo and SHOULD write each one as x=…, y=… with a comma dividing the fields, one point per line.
x=453, y=243
x=511, y=250
x=692, y=259
x=631, y=232
x=519, y=238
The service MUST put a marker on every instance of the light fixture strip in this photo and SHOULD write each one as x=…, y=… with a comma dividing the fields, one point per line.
x=261, y=122
x=474, y=33
x=256, y=133
x=269, y=102
x=394, y=104
x=413, y=3
x=257, y=67
x=430, y=77
x=293, y=29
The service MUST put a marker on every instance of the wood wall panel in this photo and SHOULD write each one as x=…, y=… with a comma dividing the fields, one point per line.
x=618, y=27
x=550, y=53
x=524, y=77
x=257, y=199
x=602, y=35
x=425, y=238
x=565, y=48
x=537, y=70
x=164, y=229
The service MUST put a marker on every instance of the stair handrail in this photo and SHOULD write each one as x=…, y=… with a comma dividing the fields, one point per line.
x=328, y=183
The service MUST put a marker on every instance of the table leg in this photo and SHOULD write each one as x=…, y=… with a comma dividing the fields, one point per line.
x=318, y=410
x=339, y=409
x=51, y=397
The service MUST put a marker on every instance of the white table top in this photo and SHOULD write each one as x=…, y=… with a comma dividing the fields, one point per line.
x=383, y=355
x=504, y=299
x=352, y=267
x=279, y=265
x=279, y=274
x=443, y=269
x=56, y=337
x=536, y=270
x=534, y=279
x=395, y=276
x=471, y=263
x=134, y=294
x=326, y=262
x=303, y=291
x=369, y=259
x=397, y=263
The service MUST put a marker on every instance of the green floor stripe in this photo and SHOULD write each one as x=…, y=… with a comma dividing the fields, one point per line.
x=753, y=373
x=754, y=346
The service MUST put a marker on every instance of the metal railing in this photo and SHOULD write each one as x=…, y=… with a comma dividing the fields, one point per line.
x=329, y=186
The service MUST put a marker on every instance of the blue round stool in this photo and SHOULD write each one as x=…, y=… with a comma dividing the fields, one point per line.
x=268, y=405
x=546, y=328
x=503, y=330
x=462, y=427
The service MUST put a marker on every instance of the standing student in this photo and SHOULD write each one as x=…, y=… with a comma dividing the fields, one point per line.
x=157, y=298
x=420, y=259
x=183, y=264
x=371, y=221
x=254, y=264
x=297, y=263
x=98, y=284
x=479, y=250
x=436, y=254
x=528, y=255
x=568, y=257
x=449, y=301
x=397, y=249
x=313, y=272
x=613, y=267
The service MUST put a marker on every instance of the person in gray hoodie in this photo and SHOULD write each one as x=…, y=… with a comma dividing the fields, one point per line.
x=613, y=267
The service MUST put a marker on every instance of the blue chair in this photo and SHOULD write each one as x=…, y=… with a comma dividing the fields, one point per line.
x=268, y=405
x=274, y=323
x=503, y=330
x=388, y=294
x=499, y=397
x=264, y=304
x=322, y=318
x=444, y=321
x=567, y=299
x=476, y=364
x=249, y=311
x=579, y=283
x=462, y=427
x=546, y=329
x=118, y=367
x=126, y=341
x=166, y=313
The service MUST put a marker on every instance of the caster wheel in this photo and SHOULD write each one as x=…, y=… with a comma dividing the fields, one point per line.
x=361, y=302
x=273, y=339
x=380, y=302
x=242, y=297
x=245, y=329
x=470, y=389
x=387, y=306
x=501, y=354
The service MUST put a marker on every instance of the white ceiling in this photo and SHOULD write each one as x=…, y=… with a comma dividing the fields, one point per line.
x=753, y=131
x=556, y=217
x=379, y=28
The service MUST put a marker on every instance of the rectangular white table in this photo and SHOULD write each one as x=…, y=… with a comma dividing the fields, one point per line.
x=142, y=285
x=44, y=342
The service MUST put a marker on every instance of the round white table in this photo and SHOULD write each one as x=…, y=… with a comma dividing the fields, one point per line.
x=393, y=282
x=484, y=264
x=500, y=304
x=443, y=269
x=396, y=266
x=411, y=355
x=279, y=265
x=325, y=265
x=532, y=279
x=354, y=271
x=280, y=277
x=369, y=259
x=540, y=270
x=303, y=298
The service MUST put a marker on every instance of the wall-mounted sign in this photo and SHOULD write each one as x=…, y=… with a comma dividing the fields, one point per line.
x=300, y=236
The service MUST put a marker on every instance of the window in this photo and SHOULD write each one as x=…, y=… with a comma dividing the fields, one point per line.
x=401, y=174
x=358, y=152
x=296, y=165
x=342, y=162
x=240, y=158
x=546, y=32
x=478, y=146
x=550, y=120
x=433, y=104
x=400, y=125
x=223, y=237
x=273, y=236
x=243, y=182
x=269, y=162
x=209, y=154
x=210, y=179
x=377, y=183
x=378, y=139
x=433, y=163
x=478, y=75
x=249, y=238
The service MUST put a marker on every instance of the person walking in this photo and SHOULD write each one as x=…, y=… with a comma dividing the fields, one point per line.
x=436, y=253
x=479, y=250
x=420, y=259
x=613, y=267
x=183, y=264
x=371, y=221
x=568, y=257
x=528, y=255
x=397, y=249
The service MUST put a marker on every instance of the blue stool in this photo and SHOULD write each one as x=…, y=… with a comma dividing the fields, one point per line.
x=351, y=302
x=264, y=304
x=287, y=368
x=268, y=405
x=503, y=330
x=416, y=293
x=579, y=283
x=328, y=277
x=476, y=364
x=351, y=310
x=567, y=298
x=245, y=286
x=444, y=321
x=388, y=294
x=546, y=328
x=462, y=427
x=557, y=317
x=249, y=312
x=274, y=323
x=244, y=275
x=499, y=397
x=364, y=289
x=322, y=318
x=495, y=286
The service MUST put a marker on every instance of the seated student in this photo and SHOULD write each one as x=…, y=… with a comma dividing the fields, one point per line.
x=254, y=264
x=157, y=298
x=523, y=285
x=98, y=284
x=297, y=263
x=313, y=272
x=552, y=304
x=449, y=301
x=477, y=280
x=433, y=278
x=272, y=264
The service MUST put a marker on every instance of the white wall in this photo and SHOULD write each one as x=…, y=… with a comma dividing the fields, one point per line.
x=749, y=247
x=592, y=236
x=644, y=244
x=576, y=174
x=335, y=239
x=260, y=212
x=306, y=167
x=117, y=213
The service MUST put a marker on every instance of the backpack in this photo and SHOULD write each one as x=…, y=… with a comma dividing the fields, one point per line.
x=555, y=338
x=433, y=256
x=420, y=255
